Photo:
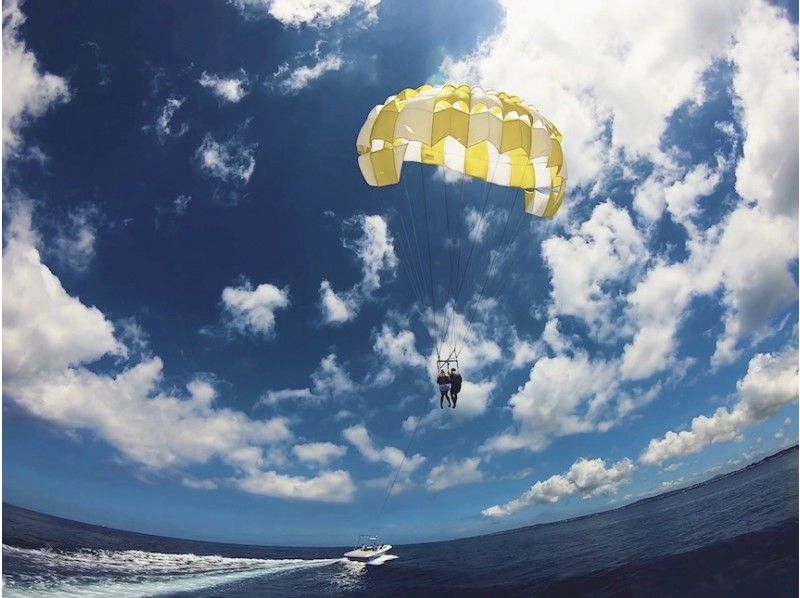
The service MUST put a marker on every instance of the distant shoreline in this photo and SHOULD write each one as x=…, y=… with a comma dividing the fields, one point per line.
x=640, y=501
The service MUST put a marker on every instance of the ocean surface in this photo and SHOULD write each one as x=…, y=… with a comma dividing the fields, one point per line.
x=736, y=535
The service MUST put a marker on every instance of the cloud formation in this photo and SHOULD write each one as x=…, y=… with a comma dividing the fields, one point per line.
x=50, y=339
x=374, y=248
x=770, y=383
x=313, y=13
x=454, y=473
x=359, y=437
x=308, y=67
x=230, y=160
x=585, y=477
x=251, y=310
x=27, y=91
x=230, y=89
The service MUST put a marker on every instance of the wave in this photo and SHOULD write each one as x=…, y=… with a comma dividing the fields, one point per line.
x=133, y=572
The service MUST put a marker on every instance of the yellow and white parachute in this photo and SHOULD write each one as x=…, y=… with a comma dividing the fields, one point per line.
x=486, y=134
x=492, y=136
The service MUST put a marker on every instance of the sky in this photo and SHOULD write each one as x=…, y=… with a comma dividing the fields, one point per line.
x=213, y=327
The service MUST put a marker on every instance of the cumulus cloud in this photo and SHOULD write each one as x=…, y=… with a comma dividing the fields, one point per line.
x=454, y=473
x=374, y=248
x=585, y=477
x=567, y=394
x=230, y=89
x=336, y=309
x=28, y=92
x=330, y=379
x=608, y=76
x=398, y=348
x=44, y=329
x=766, y=42
x=318, y=452
x=770, y=383
x=359, y=437
x=49, y=339
x=588, y=267
x=313, y=13
x=252, y=310
x=328, y=486
x=231, y=160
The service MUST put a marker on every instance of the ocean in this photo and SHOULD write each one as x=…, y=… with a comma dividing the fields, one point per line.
x=736, y=535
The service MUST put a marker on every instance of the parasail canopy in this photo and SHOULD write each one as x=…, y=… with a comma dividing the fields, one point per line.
x=486, y=134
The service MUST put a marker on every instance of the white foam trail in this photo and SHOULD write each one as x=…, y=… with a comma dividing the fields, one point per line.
x=150, y=573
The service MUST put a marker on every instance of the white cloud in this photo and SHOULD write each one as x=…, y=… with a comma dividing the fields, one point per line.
x=273, y=397
x=44, y=329
x=230, y=89
x=448, y=175
x=231, y=160
x=328, y=486
x=625, y=66
x=454, y=473
x=76, y=238
x=196, y=484
x=753, y=261
x=293, y=80
x=335, y=309
x=27, y=91
x=374, y=248
x=330, y=379
x=748, y=254
x=477, y=225
x=585, y=477
x=314, y=13
x=764, y=54
x=358, y=436
x=48, y=339
x=564, y=395
x=605, y=250
x=770, y=383
x=318, y=452
x=398, y=348
x=252, y=311
x=164, y=121
x=474, y=398
x=677, y=189
x=524, y=352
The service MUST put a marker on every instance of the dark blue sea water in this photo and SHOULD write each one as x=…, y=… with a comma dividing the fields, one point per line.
x=734, y=536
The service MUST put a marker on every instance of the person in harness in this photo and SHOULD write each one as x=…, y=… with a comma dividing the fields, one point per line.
x=455, y=385
x=443, y=380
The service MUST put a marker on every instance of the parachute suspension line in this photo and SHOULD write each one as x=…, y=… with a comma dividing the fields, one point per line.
x=451, y=260
x=416, y=241
x=398, y=470
x=490, y=256
x=487, y=190
x=430, y=258
x=459, y=235
x=411, y=265
x=505, y=281
x=407, y=265
x=495, y=262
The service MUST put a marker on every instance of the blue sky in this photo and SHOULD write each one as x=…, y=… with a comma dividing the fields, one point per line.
x=209, y=329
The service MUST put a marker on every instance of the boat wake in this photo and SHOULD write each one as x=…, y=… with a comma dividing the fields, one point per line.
x=43, y=572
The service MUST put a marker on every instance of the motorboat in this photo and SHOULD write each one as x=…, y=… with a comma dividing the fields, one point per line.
x=370, y=550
